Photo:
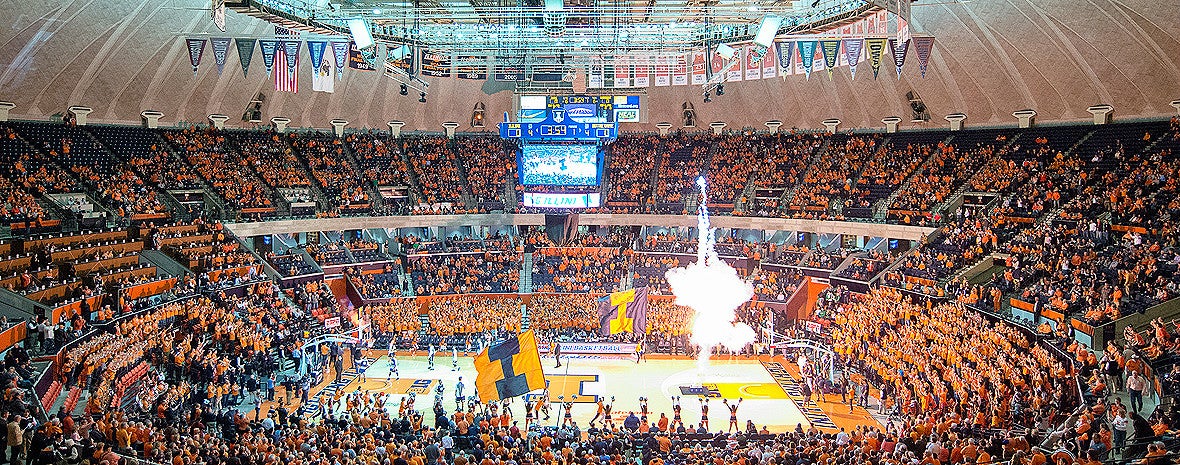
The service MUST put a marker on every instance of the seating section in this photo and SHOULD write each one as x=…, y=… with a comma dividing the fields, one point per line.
x=333, y=171
x=489, y=163
x=436, y=168
x=211, y=156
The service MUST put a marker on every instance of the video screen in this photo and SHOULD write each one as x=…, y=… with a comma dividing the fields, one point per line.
x=559, y=165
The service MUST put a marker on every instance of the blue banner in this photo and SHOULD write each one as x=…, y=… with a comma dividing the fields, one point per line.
x=245, y=53
x=340, y=52
x=316, y=50
x=268, y=52
x=291, y=50
x=220, y=52
x=807, y=55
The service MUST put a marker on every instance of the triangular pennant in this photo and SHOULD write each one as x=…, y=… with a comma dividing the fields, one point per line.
x=315, y=48
x=876, y=47
x=785, y=52
x=291, y=50
x=807, y=55
x=196, y=48
x=245, y=53
x=852, y=49
x=220, y=51
x=831, y=51
x=899, y=53
x=268, y=53
x=923, y=46
x=340, y=52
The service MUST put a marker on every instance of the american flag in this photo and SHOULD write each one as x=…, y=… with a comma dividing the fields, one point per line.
x=285, y=81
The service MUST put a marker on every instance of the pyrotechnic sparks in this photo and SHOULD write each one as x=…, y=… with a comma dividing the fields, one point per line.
x=713, y=290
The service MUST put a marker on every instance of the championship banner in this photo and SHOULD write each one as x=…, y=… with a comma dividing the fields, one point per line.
x=508, y=73
x=362, y=60
x=476, y=72
x=291, y=50
x=831, y=51
x=435, y=64
x=622, y=72
x=321, y=75
x=315, y=50
x=753, y=63
x=642, y=71
x=340, y=53
x=196, y=48
x=699, y=68
x=807, y=55
x=268, y=53
x=899, y=53
x=852, y=48
x=876, y=47
x=663, y=71
x=400, y=57
x=245, y=53
x=594, y=78
x=220, y=52
x=785, y=51
x=871, y=24
x=769, y=64
x=883, y=22
x=546, y=73
x=923, y=46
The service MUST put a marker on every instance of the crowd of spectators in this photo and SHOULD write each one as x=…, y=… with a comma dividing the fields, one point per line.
x=207, y=151
x=629, y=175
x=458, y=315
x=463, y=273
x=594, y=270
x=489, y=163
x=436, y=168
x=385, y=283
x=333, y=171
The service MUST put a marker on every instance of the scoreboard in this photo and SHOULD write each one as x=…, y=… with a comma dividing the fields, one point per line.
x=550, y=130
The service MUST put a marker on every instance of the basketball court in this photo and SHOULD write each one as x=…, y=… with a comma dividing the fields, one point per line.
x=768, y=388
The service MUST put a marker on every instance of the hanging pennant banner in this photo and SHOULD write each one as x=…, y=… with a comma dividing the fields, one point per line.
x=923, y=46
x=753, y=62
x=268, y=52
x=807, y=55
x=340, y=53
x=785, y=52
x=291, y=50
x=852, y=48
x=315, y=49
x=899, y=52
x=769, y=63
x=245, y=53
x=876, y=48
x=220, y=52
x=196, y=48
x=831, y=51
x=362, y=60
x=699, y=69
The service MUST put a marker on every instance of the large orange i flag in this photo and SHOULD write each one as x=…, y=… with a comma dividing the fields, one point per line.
x=509, y=368
x=623, y=312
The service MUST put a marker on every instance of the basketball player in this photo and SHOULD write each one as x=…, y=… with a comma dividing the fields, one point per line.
x=607, y=423
x=455, y=359
x=733, y=408
x=393, y=374
x=430, y=357
x=542, y=406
